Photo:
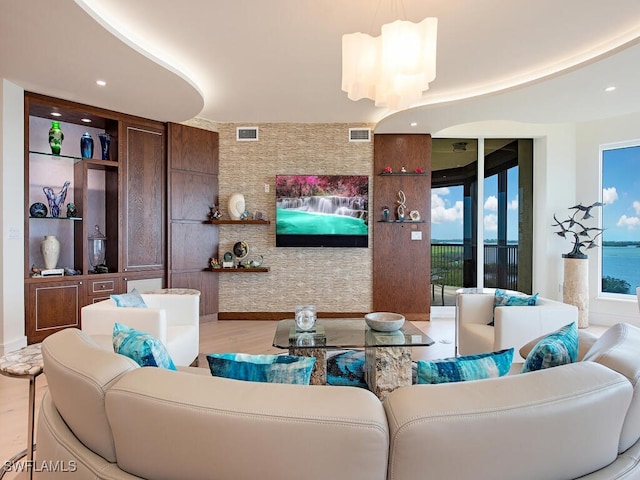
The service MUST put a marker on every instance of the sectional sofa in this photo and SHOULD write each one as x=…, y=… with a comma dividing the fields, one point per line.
x=107, y=418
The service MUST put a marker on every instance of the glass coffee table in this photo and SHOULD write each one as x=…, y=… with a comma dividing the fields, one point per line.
x=387, y=354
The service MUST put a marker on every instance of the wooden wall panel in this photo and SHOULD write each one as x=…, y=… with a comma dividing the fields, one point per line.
x=402, y=266
x=193, y=187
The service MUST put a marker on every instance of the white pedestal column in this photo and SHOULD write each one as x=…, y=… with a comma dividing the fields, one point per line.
x=575, y=290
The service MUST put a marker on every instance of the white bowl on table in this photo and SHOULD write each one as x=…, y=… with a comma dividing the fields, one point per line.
x=384, y=321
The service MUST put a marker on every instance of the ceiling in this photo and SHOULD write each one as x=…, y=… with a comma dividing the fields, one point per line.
x=253, y=61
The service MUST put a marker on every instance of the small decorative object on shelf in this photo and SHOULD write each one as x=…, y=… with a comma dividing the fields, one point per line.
x=86, y=145
x=245, y=215
x=414, y=215
x=259, y=216
x=105, y=143
x=403, y=169
x=71, y=210
x=402, y=207
x=214, y=213
x=241, y=250
x=55, y=137
x=227, y=260
x=385, y=213
x=305, y=318
x=419, y=170
x=56, y=199
x=236, y=206
x=388, y=169
x=214, y=263
x=38, y=210
x=97, y=251
x=50, y=249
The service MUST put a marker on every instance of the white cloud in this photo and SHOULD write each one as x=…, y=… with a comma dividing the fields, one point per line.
x=491, y=223
x=441, y=191
x=636, y=207
x=609, y=195
x=491, y=203
x=513, y=205
x=629, y=222
x=440, y=213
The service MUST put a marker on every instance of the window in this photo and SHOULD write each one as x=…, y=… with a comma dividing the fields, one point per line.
x=620, y=267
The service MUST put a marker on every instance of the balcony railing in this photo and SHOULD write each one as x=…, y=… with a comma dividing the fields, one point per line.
x=500, y=265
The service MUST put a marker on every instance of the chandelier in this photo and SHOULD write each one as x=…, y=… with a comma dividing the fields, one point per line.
x=394, y=68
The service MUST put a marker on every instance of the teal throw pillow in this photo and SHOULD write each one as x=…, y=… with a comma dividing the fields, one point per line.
x=131, y=299
x=504, y=299
x=557, y=348
x=143, y=348
x=262, y=368
x=346, y=368
x=468, y=367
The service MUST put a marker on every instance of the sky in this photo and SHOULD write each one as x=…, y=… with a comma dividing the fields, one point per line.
x=447, y=210
x=621, y=194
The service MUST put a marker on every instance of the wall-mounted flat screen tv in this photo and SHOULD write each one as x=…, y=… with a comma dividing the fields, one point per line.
x=322, y=211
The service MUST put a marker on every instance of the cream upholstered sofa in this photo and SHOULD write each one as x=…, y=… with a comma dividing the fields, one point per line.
x=513, y=326
x=110, y=419
x=172, y=318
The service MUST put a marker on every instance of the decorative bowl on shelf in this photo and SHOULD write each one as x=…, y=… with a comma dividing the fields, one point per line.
x=384, y=321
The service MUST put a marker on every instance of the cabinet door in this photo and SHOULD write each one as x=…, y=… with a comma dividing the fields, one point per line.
x=101, y=288
x=52, y=306
x=144, y=196
x=193, y=187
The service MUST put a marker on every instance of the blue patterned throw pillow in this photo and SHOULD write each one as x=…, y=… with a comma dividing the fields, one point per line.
x=131, y=299
x=557, y=348
x=463, y=369
x=504, y=299
x=143, y=348
x=346, y=368
x=262, y=368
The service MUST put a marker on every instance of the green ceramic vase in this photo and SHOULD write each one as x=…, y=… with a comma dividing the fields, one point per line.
x=55, y=138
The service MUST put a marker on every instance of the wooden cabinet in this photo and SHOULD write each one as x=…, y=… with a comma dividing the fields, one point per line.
x=193, y=188
x=143, y=163
x=124, y=195
x=402, y=250
x=52, y=306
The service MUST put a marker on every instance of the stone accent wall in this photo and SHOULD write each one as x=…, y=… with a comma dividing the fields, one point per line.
x=334, y=279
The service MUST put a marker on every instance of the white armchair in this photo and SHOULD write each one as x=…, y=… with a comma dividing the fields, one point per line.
x=174, y=319
x=514, y=326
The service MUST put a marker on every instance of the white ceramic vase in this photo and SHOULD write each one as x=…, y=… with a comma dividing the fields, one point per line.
x=50, y=249
x=236, y=206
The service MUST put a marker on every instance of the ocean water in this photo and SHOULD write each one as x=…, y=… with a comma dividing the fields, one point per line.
x=622, y=263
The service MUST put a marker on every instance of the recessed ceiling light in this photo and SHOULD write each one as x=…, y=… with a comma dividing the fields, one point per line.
x=56, y=114
x=102, y=83
x=86, y=120
x=610, y=89
x=414, y=124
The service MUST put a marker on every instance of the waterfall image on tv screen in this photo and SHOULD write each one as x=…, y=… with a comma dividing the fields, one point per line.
x=322, y=211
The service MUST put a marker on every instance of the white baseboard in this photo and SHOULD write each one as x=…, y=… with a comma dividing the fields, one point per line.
x=13, y=345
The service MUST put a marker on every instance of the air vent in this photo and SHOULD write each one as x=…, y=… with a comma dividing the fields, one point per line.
x=247, y=134
x=359, y=134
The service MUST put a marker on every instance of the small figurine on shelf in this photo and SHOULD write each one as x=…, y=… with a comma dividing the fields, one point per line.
x=402, y=206
x=403, y=169
x=244, y=215
x=385, y=214
x=71, y=210
x=214, y=213
x=388, y=169
x=419, y=170
x=214, y=263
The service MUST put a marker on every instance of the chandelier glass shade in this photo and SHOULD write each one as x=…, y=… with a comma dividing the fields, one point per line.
x=393, y=69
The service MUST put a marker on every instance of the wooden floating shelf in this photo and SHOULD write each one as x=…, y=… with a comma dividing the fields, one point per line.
x=400, y=174
x=237, y=270
x=402, y=221
x=238, y=222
